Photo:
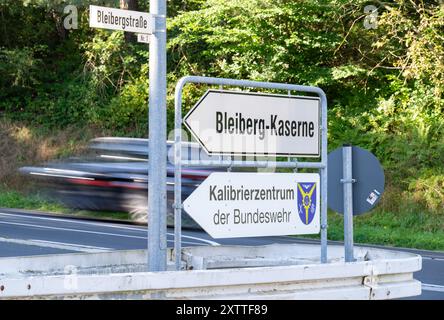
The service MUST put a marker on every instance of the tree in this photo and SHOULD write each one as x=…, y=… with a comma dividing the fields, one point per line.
x=129, y=5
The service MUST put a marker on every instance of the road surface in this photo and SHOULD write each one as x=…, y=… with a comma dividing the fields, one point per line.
x=26, y=233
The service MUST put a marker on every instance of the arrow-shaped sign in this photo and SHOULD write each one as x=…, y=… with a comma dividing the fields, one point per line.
x=231, y=205
x=233, y=122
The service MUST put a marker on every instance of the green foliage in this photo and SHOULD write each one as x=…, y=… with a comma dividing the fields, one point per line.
x=112, y=63
x=13, y=199
x=262, y=40
x=70, y=103
x=18, y=68
x=428, y=191
x=128, y=112
x=412, y=33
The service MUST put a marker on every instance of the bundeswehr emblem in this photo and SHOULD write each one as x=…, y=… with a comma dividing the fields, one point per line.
x=306, y=201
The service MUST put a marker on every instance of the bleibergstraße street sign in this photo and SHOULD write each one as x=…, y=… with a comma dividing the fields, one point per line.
x=231, y=205
x=121, y=20
x=242, y=123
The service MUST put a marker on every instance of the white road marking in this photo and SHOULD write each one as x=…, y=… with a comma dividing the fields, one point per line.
x=137, y=229
x=69, y=229
x=73, y=221
x=56, y=245
x=85, y=231
x=432, y=258
x=432, y=287
x=213, y=243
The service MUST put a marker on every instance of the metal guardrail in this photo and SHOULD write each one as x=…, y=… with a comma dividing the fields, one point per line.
x=243, y=273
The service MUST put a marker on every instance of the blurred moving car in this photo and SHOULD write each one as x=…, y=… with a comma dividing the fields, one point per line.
x=113, y=176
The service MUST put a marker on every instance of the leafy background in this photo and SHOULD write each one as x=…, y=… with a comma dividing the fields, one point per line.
x=384, y=85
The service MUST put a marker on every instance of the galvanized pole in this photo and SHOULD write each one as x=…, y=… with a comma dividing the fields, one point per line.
x=347, y=174
x=324, y=177
x=157, y=141
x=178, y=177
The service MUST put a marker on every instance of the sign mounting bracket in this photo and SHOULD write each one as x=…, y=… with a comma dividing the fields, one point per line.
x=224, y=163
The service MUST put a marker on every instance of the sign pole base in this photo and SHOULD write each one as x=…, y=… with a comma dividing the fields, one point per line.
x=348, y=181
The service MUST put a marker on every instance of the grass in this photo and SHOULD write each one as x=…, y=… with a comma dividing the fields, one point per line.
x=409, y=230
x=17, y=200
x=22, y=145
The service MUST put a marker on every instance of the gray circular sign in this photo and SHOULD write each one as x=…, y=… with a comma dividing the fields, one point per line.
x=369, y=185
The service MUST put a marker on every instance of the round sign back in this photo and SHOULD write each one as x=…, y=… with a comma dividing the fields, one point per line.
x=369, y=185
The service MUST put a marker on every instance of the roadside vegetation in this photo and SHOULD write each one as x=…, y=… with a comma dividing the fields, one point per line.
x=383, y=75
x=413, y=229
x=36, y=201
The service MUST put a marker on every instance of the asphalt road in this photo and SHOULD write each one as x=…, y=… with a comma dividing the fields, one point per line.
x=26, y=233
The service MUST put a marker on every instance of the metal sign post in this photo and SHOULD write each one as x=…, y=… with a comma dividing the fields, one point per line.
x=348, y=181
x=153, y=24
x=178, y=161
x=157, y=225
x=355, y=186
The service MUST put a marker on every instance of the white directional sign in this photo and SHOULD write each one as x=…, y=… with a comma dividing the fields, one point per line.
x=122, y=20
x=232, y=122
x=231, y=205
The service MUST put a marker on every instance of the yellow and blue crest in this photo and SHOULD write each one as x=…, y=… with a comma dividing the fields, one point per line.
x=306, y=201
